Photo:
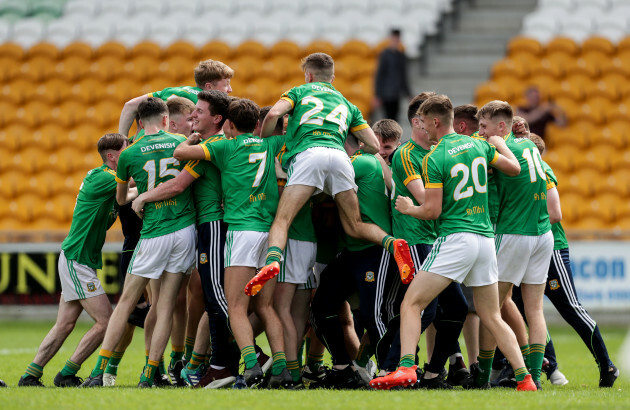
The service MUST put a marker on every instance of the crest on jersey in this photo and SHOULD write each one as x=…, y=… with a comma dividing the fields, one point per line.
x=203, y=258
x=91, y=287
x=553, y=284
x=369, y=276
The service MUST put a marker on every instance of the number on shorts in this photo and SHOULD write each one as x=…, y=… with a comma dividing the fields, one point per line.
x=534, y=163
x=262, y=157
x=461, y=190
x=339, y=115
x=150, y=166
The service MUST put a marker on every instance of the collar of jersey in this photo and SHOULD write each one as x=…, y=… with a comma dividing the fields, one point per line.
x=505, y=137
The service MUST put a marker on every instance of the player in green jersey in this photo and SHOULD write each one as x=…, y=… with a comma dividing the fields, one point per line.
x=208, y=119
x=319, y=123
x=209, y=75
x=524, y=241
x=95, y=211
x=250, y=199
x=454, y=175
x=166, y=247
x=388, y=133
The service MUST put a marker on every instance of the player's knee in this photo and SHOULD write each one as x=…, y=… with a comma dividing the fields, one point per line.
x=65, y=327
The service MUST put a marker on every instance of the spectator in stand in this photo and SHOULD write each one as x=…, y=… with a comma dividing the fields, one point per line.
x=391, y=78
x=540, y=113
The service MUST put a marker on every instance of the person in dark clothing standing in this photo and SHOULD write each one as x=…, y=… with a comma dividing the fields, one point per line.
x=391, y=78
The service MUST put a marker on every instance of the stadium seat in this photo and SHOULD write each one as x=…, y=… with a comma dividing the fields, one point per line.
x=72, y=68
x=563, y=159
x=49, y=136
x=590, y=223
x=527, y=45
x=108, y=68
x=30, y=160
x=600, y=157
x=84, y=136
x=111, y=48
x=78, y=49
x=490, y=91
x=356, y=48
x=569, y=202
x=34, y=113
x=182, y=49
x=66, y=159
x=13, y=137
x=10, y=69
x=146, y=48
x=285, y=48
x=602, y=206
x=321, y=46
x=510, y=68
x=621, y=161
x=216, y=50
x=617, y=183
x=581, y=182
x=60, y=208
x=563, y=44
x=173, y=68
x=142, y=67
x=12, y=182
x=251, y=48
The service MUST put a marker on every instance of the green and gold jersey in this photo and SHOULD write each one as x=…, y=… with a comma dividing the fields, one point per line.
x=523, y=198
x=94, y=212
x=321, y=117
x=493, y=194
x=185, y=91
x=149, y=161
x=459, y=165
x=373, y=197
x=248, y=179
x=559, y=237
x=207, y=190
x=406, y=167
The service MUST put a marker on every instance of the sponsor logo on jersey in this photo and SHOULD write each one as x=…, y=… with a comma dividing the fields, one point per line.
x=203, y=258
x=91, y=287
x=252, y=141
x=369, y=276
x=554, y=285
x=320, y=88
x=154, y=147
x=459, y=148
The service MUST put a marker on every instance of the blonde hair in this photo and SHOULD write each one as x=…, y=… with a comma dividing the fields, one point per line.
x=439, y=106
x=210, y=71
x=388, y=130
x=179, y=106
x=497, y=110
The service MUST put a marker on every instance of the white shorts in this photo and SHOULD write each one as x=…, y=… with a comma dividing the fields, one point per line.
x=524, y=258
x=77, y=281
x=246, y=248
x=174, y=252
x=329, y=170
x=464, y=257
x=298, y=262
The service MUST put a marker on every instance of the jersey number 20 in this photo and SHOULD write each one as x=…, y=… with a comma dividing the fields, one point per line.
x=461, y=190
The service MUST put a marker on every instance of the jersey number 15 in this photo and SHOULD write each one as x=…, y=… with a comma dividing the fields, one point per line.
x=150, y=167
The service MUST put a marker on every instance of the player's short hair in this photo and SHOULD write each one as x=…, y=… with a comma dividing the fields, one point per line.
x=497, y=110
x=279, y=128
x=416, y=102
x=321, y=65
x=517, y=118
x=467, y=113
x=112, y=141
x=179, y=106
x=210, y=71
x=218, y=102
x=438, y=106
x=538, y=141
x=388, y=130
x=151, y=107
x=243, y=113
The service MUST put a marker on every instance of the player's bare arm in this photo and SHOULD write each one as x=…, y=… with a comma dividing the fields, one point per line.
x=553, y=205
x=280, y=108
x=369, y=140
x=387, y=171
x=431, y=209
x=190, y=149
x=128, y=114
x=166, y=190
x=506, y=162
x=122, y=192
x=416, y=188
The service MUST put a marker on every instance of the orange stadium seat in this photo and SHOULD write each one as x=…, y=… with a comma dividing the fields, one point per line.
x=489, y=91
x=13, y=137
x=122, y=89
x=349, y=67
x=78, y=49
x=285, y=48
x=30, y=159
x=215, y=50
x=616, y=182
x=107, y=68
x=12, y=183
x=31, y=205
x=569, y=202
x=608, y=87
x=590, y=222
x=247, y=68
x=66, y=160
x=111, y=48
x=600, y=157
x=91, y=159
x=600, y=109
x=251, y=48
x=18, y=91
x=55, y=90
x=508, y=67
x=621, y=161
x=543, y=81
x=178, y=68
x=562, y=159
x=9, y=68
x=616, y=65
x=357, y=48
x=60, y=208
x=281, y=67
x=623, y=44
x=84, y=136
x=521, y=44
x=599, y=44
x=582, y=182
x=571, y=107
x=610, y=136
x=69, y=113
x=43, y=49
x=180, y=48
x=86, y=90
x=564, y=44
x=12, y=50
x=622, y=224
x=142, y=67
x=321, y=46
x=49, y=136
x=38, y=69
x=146, y=48
x=8, y=112
x=72, y=68
x=593, y=62
x=557, y=137
x=580, y=82
x=34, y=113
x=552, y=67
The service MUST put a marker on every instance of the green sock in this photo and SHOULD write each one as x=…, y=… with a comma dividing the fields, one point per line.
x=101, y=362
x=407, y=360
x=177, y=354
x=149, y=372
x=249, y=356
x=485, y=366
x=365, y=352
x=70, y=369
x=520, y=373
x=294, y=369
x=274, y=254
x=112, y=365
x=279, y=363
x=195, y=360
x=525, y=352
x=388, y=243
x=301, y=355
x=161, y=366
x=313, y=361
x=535, y=359
x=188, y=347
x=34, y=370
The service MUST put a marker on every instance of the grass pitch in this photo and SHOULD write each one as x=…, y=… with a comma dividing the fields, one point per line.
x=19, y=342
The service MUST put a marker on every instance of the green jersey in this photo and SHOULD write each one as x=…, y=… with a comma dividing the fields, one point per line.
x=248, y=179
x=321, y=117
x=559, y=237
x=185, y=91
x=207, y=190
x=459, y=165
x=523, y=198
x=149, y=161
x=493, y=195
x=407, y=167
x=373, y=197
x=95, y=211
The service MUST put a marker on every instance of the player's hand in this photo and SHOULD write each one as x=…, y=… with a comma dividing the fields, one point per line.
x=404, y=205
x=495, y=140
x=518, y=128
x=138, y=206
x=194, y=138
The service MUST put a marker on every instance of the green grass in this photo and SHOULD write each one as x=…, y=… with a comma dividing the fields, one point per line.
x=19, y=341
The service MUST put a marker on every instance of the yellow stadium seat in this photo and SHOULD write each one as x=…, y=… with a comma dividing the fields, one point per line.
x=564, y=44
x=12, y=50
x=60, y=208
x=603, y=205
x=55, y=90
x=247, y=68
x=508, y=67
x=616, y=65
x=319, y=46
x=34, y=113
x=621, y=161
x=84, y=136
x=146, y=48
x=9, y=68
x=349, y=67
x=250, y=48
x=72, y=68
x=521, y=44
x=582, y=182
x=599, y=44
x=108, y=68
x=86, y=90
x=563, y=158
x=610, y=136
x=178, y=68
x=600, y=157
x=181, y=48
x=12, y=182
x=18, y=91
x=68, y=113
x=78, y=49
x=91, y=159
x=571, y=108
x=593, y=62
x=556, y=137
x=30, y=159
x=9, y=113
x=285, y=84
x=569, y=202
x=215, y=50
x=49, y=136
x=623, y=226
x=599, y=109
x=13, y=137
x=111, y=48
x=616, y=182
x=490, y=91
x=279, y=67
x=623, y=44
x=356, y=48
x=45, y=223
x=286, y=48
x=543, y=81
x=607, y=87
x=591, y=222
x=38, y=68
x=66, y=160
x=142, y=67
x=43, y=49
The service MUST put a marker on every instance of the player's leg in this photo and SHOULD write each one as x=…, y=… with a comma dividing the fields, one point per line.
x=155, y=286
x=471, y=336
x=178, y=332
x=195, y=309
